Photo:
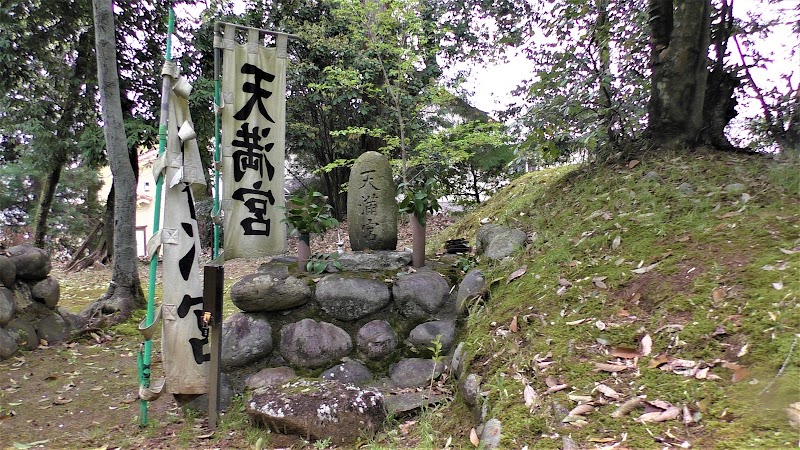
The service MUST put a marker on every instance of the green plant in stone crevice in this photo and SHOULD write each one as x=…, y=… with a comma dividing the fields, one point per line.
x=321, y=261
x=467, y=262
x=322, y=444
x=436, y=350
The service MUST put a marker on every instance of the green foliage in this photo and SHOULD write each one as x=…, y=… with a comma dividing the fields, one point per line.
x=50, y=115
x=465, y=263
x=309, y=213
x=339, y=103
x=436, y=349
x=420, y=200
x=436, y=352
x=322, y=444
x=319, y=262
x=589, y=93
x=469, y=160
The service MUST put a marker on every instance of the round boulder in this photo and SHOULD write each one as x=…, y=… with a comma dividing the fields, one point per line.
x=686, y=189
x=421, y=294
x=266, y=292
x=7, y=306
x=274, y=269
x=246, y=338
x=8, y=345
x=24, y=333
x=470, y=287
x=319, y=410
x=347, y=298
x=311, y=344
x=415, y=372
x=486, y=233
x=492, y=435
x=422, y=337
x=376, y=339
x=505, y=243
x=32, y=263
x=52, y=328
x=23, y=298
x=8, y=272
x=46, y=291
x=269, y=377
x=349, y=372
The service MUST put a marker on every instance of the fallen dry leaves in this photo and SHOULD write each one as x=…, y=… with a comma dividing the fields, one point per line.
x=607, y=367
x=624, y=352
x=627, y=407
x=473, y=437
x=671, y=413
x=517, y=274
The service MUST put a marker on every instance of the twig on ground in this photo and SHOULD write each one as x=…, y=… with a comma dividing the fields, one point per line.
x=783, y=366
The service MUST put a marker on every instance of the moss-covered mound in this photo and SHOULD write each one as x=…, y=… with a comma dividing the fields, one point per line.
x=673, y=278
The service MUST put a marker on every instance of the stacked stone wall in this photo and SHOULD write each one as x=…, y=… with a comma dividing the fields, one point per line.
x=350, y=325
x=29, y=312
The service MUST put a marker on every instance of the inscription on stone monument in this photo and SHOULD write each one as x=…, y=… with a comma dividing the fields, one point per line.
x=371, y=204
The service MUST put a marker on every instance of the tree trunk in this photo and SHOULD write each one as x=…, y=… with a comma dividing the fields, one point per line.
x=48, y=192
x=417, y=242
x=605, y=97
x=680, y=35
x=719, y=107
x=125, y=291
x=108, y=222
x=720, y=103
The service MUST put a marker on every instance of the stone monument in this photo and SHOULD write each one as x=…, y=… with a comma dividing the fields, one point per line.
x=372, y=204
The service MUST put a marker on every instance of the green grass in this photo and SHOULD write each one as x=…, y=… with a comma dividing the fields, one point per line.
x=711, y=239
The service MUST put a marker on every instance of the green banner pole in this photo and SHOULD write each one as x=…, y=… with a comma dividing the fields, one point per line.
x=217, y=156
x=166, y=86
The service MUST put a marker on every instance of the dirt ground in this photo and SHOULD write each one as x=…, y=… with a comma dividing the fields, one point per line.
x=83, y=394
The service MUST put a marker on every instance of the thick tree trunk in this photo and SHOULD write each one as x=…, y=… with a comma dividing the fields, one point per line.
x=680, y=35
x=108, y=223
x=720, y=103
x=719, y=107
x=125, y=291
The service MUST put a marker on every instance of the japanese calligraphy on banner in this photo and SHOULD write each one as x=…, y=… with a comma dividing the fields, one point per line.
x=253, y=132
x=185, y=346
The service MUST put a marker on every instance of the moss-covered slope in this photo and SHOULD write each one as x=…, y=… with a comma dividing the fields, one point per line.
x=698, y=252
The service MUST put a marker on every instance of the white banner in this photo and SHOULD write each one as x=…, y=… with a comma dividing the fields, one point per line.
x=185, y=350
x=253, y=132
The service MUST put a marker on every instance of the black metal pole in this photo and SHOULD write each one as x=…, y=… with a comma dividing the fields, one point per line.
x=213, y=283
